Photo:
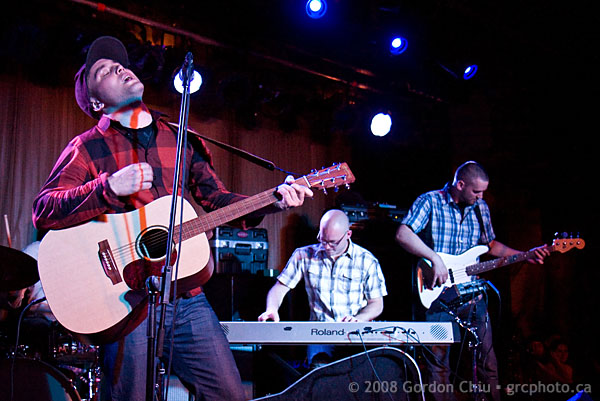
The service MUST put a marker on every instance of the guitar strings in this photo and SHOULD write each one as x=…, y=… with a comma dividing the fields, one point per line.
x=151, y=241
x=191, y=226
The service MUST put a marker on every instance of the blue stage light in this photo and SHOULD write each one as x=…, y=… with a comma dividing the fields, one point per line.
x=470, y=72
x=398, y=45
x=316, y=8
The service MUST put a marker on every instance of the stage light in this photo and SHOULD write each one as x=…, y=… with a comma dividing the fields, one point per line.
x=381, y=124
x=398, y=45
x=470, y=72
x=316, y=8
x=195, y=82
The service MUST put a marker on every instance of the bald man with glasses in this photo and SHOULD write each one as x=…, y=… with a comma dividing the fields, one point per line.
x=343, y=280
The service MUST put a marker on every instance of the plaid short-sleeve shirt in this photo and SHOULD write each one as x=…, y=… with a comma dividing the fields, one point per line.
x=335, y=289
x=441, y=224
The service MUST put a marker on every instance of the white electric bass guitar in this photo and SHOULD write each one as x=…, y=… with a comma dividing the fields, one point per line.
x=463, y=268
x=94, y=274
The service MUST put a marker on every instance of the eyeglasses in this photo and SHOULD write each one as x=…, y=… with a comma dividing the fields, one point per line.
x=332, y=244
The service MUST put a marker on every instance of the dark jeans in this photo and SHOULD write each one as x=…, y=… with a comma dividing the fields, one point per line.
x=438, y=364
x=201, y=357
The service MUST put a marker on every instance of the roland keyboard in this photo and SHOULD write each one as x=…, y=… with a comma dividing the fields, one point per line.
x=414, y=333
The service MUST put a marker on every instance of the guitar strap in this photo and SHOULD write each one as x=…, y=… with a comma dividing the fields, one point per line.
x=196, y=142
x=484, y=237
x=239, y=152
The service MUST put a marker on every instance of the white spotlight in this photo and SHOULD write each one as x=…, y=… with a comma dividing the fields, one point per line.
x=195, y=82
x=381, y=124
x=316, y=8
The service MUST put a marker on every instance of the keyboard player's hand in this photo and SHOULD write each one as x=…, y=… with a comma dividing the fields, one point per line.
x=269, y=315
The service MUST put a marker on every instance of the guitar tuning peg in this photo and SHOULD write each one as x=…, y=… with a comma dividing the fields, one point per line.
x=347, y=186
x=565, y=234
x=324, y=191
x=336, y=189
x=556, y=235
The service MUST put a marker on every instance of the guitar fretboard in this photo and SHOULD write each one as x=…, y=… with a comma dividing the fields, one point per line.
x=330, y=177
x=225, y=214
x=495, y=263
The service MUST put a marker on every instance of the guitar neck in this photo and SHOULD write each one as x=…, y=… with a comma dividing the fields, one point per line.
x=496, y=263
x=225, y=214
x=331, y=177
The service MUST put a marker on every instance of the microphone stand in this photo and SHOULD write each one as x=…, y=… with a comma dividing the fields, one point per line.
x=155, y=344
x=473, y=346
x=152, y=288
x=14, y=352
x=156, y=336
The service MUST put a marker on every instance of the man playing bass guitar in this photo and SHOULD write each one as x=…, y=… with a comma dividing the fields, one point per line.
x=453, y=220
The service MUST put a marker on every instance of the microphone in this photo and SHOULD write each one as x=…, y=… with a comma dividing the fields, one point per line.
x=187, y=70
x=187, y=76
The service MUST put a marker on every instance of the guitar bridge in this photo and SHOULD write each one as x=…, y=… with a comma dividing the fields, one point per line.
x=108, y=262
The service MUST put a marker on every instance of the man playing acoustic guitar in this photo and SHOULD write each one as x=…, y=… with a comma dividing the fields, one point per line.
x=120, y=165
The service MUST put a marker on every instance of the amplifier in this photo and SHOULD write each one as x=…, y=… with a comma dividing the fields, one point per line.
x=358, y=213
x=236, y=250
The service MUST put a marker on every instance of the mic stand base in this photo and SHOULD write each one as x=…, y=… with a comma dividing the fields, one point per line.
x=152, y=288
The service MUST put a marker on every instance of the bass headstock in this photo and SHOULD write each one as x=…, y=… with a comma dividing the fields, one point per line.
x=567, y=243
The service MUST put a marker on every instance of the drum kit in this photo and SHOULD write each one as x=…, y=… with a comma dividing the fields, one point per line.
x=49, y=363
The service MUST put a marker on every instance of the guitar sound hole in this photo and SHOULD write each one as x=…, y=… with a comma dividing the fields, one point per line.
x=152, y=243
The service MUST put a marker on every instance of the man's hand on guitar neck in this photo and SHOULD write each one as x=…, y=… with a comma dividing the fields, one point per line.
x=292, y=195
x=541, y=252
x=500, y=250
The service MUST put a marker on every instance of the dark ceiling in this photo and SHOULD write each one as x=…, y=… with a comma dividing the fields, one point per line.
x=531, y=107
x=537, y=59
x=512, y=41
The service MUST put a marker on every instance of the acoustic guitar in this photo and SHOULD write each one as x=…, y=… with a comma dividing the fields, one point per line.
x=94, y=274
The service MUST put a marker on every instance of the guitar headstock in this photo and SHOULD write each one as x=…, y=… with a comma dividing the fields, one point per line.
x=563, y=245
x=331, y=177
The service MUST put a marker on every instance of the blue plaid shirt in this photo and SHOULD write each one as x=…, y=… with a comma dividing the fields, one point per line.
x=439, y=222
x=335, y=289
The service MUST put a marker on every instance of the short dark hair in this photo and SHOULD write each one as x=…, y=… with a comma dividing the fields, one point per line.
x=469, y=171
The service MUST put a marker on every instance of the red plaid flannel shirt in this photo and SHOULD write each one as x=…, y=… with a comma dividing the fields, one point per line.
x=77, y=189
